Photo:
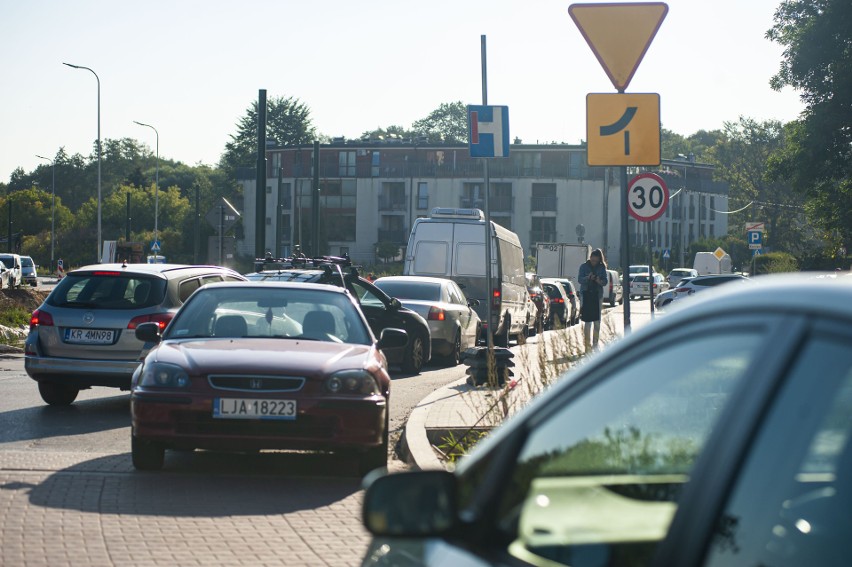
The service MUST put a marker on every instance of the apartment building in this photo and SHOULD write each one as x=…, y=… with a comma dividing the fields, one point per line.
x=370, y=192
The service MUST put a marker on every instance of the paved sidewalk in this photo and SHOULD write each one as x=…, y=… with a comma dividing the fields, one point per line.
x=450, y=412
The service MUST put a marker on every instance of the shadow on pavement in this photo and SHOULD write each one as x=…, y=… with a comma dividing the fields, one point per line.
x=80, y=418
x=198, y=484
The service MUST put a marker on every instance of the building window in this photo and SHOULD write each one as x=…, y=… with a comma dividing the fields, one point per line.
x=501, y=197
x=276, y=163
x=529, y=163
x=392, y=197
x=269, y=189
x=346, y=162
x=342, y=228
x=473, y=196
x=691, y=208
x=543, y=197
x=375, y=164
x=577, y=168
x=268, y=221
x=505, y=222
x=712, y=208
x=422, y=195
x=712, y=231
x=543, y=230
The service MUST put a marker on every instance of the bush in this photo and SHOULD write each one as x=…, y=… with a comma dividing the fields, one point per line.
x=775, y=263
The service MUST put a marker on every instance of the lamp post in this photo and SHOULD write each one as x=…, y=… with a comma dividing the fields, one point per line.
x=52, y=206
x=98, y=256
x=156, y=178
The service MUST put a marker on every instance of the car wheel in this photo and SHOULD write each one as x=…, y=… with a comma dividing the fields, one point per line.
x=147, y=455
x=414, y=357
x=57, y=394
x=454, y=357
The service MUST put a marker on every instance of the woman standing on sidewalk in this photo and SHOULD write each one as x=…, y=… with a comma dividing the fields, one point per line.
x=592, y=278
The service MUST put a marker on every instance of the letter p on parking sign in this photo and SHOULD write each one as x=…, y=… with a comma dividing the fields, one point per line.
x=488, y=131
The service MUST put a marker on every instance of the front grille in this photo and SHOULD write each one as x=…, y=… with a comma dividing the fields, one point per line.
x=311, y=427
x=252, y=383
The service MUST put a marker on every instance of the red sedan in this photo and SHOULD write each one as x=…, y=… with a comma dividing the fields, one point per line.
x=250, y=366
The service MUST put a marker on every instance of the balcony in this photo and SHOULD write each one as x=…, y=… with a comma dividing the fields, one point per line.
x=392, y=203
x=543, y=204
x=399, y=236
x=498, y=203
x=537, y=236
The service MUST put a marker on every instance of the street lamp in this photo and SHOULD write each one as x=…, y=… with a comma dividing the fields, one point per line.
x=98, y=256
x=156, y=178
x=52, y=206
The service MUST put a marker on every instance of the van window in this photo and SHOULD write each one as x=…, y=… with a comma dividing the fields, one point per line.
x=470, y=259
x=512, y=263
x=430, y=258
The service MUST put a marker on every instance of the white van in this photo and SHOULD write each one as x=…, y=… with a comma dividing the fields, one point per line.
x=450, y=244
x=12, y=263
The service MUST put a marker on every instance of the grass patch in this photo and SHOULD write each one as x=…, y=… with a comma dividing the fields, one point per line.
x=15, y=317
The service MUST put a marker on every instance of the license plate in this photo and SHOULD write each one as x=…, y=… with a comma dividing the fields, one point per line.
x=90, y=336
x=245, y=408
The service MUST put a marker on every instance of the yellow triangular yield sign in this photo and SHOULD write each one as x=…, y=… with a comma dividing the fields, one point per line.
x=619, y=34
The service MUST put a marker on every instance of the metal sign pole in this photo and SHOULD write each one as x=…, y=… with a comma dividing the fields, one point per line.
x=650, y=271
x=625, y=251
x=489, y=290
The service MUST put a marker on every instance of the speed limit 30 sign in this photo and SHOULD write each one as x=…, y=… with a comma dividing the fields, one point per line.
x=647, y=197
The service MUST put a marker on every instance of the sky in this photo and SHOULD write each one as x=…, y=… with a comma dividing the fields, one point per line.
x=192, y=68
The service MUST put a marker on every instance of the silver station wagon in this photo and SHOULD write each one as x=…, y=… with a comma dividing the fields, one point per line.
x=83, y=335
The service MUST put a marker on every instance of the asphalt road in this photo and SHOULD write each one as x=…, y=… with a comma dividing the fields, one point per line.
x=70, y=496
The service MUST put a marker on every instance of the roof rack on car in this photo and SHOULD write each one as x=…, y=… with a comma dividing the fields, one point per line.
x=301, y=261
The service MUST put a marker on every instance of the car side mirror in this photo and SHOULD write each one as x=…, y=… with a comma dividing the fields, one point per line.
x=392, y=338
x=395, y=304
x=411, y=504
x=149, y=332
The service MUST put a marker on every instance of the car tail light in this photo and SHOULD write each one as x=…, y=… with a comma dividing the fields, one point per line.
x=107, y=274
x=40, y=318
x=161, y=318
x=558, y=300
x=495, y=299
x=436, y=314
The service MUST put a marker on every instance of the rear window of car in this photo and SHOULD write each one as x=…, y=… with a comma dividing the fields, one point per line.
x=552, y=291
x=422, y=291
x=640, y=279
x=108, y=290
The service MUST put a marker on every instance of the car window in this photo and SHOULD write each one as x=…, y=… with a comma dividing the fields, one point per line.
x=186, y=288
x=456, y=295
x=108, y=290
x=365, y=296
x=602, y=475
x=791, y=504
x=238, y=312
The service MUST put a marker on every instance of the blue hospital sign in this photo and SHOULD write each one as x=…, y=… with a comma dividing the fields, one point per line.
x=488, y=130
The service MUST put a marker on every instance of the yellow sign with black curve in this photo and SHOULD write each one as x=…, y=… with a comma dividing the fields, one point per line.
x=623, y=129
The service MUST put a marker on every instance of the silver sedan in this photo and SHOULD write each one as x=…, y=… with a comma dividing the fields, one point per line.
x=453, y=323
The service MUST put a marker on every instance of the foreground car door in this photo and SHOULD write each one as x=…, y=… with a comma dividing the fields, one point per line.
x=594, y=477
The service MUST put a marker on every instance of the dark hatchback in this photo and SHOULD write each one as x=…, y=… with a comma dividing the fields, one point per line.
x=716, y=436
x=382, y=311
x=250, y=366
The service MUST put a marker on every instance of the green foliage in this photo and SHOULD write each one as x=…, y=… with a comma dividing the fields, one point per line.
x=14, y=317
x=452, y=448
x=817, y=61
x=288, y=122
x=387, y=251
x=775, y=263
x=446, y=123
x=696, y=145
x=388, y=133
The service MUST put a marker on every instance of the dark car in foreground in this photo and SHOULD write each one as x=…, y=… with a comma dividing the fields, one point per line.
x=717, y=436
x=382, y=311
x=83, y=335
x=252, y=366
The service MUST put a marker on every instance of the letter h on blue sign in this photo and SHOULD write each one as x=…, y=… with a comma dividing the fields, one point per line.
x=488, y=131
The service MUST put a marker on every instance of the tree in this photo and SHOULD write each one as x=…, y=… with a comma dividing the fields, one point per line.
x=742, y=159
x=817, y=61
x=288, y=122
x=388, y=133
x=387, y=251
x=446, y=123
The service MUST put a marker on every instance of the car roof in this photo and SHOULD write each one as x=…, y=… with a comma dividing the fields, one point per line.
x=150, y=269
x=419, y=279
x=327, y=288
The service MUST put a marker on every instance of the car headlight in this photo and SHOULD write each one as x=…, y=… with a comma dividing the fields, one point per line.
x=358, y=382
x=162, y=375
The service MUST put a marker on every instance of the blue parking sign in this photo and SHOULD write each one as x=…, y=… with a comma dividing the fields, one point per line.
x=755, y=239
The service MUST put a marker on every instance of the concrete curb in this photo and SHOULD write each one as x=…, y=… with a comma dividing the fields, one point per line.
x=419, y=447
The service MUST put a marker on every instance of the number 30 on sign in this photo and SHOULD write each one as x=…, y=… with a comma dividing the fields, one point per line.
x=647, y=197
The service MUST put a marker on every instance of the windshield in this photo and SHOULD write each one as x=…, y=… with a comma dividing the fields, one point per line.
x=268, y=311
x=26, y=262
x=422, y=291
x=108, y=290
